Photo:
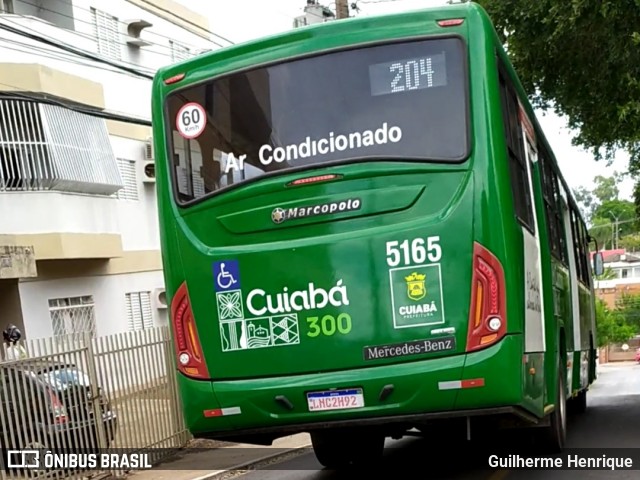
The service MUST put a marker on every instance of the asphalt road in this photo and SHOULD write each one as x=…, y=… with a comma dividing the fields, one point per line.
x=612, y=420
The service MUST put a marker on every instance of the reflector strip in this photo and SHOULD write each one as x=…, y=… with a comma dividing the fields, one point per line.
x=458, y=384
x=439, y=331
x=222, y=412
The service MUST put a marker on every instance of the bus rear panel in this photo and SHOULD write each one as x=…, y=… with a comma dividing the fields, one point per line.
x=335, y=232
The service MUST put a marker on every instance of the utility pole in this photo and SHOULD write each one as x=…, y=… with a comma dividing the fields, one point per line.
x=342, y=9
x=615, y=232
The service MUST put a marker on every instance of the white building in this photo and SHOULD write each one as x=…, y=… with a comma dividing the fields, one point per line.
x=79, y=246
x=314, y=13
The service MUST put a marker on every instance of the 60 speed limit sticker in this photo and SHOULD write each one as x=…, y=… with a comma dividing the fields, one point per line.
x=191, y=120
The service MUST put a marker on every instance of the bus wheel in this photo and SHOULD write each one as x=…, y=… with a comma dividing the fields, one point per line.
x=555, y=435
x=338, y=449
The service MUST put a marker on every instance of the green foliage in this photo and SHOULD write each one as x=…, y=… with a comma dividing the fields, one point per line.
x=607, y=274
x=612, y=325
x=606, y=188
x=631, y=242
x=618, y=210
x=602, y=208
x=628, y=306
x=602, y=230
x=581, y=58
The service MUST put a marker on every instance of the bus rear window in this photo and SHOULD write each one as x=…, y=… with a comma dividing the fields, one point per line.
x=398, y=101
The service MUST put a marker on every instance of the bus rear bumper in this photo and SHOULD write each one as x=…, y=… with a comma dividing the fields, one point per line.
x=488, y=382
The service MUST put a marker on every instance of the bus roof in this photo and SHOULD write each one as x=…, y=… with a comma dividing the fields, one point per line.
x=410, y=21
x=334, y=28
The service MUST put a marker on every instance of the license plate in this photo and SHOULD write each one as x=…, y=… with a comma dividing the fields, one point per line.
x=335, y=400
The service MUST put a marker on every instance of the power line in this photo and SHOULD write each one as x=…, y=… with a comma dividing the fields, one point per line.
x=188, y=21
x=60, y=56
x=106, y=114
x=90, y=37
x=68, y=48
x=57, y=44
x=151, y=32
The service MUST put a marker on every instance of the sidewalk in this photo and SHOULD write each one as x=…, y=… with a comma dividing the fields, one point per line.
x=199, y=464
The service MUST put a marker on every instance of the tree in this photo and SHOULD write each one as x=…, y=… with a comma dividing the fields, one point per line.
x=604, y=210
x=621, y=211
x=608, y=274
x=606, y=188
x=611, y=325
x=586, y=202
x=581, y=58
x=628, y=307
x=631, y=243
x=602, y=231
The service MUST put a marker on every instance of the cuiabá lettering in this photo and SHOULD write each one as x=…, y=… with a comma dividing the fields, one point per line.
x=418, y=309
x=259, y=302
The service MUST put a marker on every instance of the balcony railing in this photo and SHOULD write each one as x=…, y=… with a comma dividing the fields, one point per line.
x=47, y=147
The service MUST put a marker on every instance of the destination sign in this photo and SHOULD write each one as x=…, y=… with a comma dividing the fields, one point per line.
x=408, y=74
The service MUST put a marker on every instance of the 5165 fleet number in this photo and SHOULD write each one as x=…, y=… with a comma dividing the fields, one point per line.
x=416, y=251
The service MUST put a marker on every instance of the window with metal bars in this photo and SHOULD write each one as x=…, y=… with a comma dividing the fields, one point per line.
x=73, y=316
x=107, y=33
x=47, y=147
x=139, y=313
x=179, y=52
x=129, y=180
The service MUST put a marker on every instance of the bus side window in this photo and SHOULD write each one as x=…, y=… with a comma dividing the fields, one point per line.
x=553, y=209
x=580, y=248
x=515, y=151
x=584, y=244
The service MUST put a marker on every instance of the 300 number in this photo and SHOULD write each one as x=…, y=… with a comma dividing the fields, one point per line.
x=417, y=251
x=328, y=325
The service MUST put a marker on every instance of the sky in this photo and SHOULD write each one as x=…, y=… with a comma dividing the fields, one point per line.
x=243, y=20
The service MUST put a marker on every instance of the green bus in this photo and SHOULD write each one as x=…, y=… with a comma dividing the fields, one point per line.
x=365, y=233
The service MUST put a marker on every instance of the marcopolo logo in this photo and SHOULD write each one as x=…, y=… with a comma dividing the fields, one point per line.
x=280, y=215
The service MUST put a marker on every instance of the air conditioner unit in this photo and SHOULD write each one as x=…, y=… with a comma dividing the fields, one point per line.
x=148, y=149
x=149, y=172
x=160, y=299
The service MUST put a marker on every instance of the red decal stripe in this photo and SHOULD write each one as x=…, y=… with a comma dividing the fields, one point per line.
x=476, y=382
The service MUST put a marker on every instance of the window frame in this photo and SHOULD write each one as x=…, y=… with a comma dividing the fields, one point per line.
x=105, y=45
x=134, y=302
x=169, y=143
x=515, y=148
x=129, y=190
x=552, y=200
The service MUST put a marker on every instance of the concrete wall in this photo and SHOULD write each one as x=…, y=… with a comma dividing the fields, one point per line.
x=108, y=293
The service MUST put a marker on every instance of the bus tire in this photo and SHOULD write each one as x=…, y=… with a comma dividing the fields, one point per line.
x=554, y=436
x=337, y=449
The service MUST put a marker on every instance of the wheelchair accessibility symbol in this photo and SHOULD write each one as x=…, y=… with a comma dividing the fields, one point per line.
x=227, y=275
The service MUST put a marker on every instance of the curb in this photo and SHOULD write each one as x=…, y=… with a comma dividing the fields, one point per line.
x=250, y=463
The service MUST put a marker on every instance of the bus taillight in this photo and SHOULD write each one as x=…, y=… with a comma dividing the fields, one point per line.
x=487, y=316
x=451, y=22
x=188, y=350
